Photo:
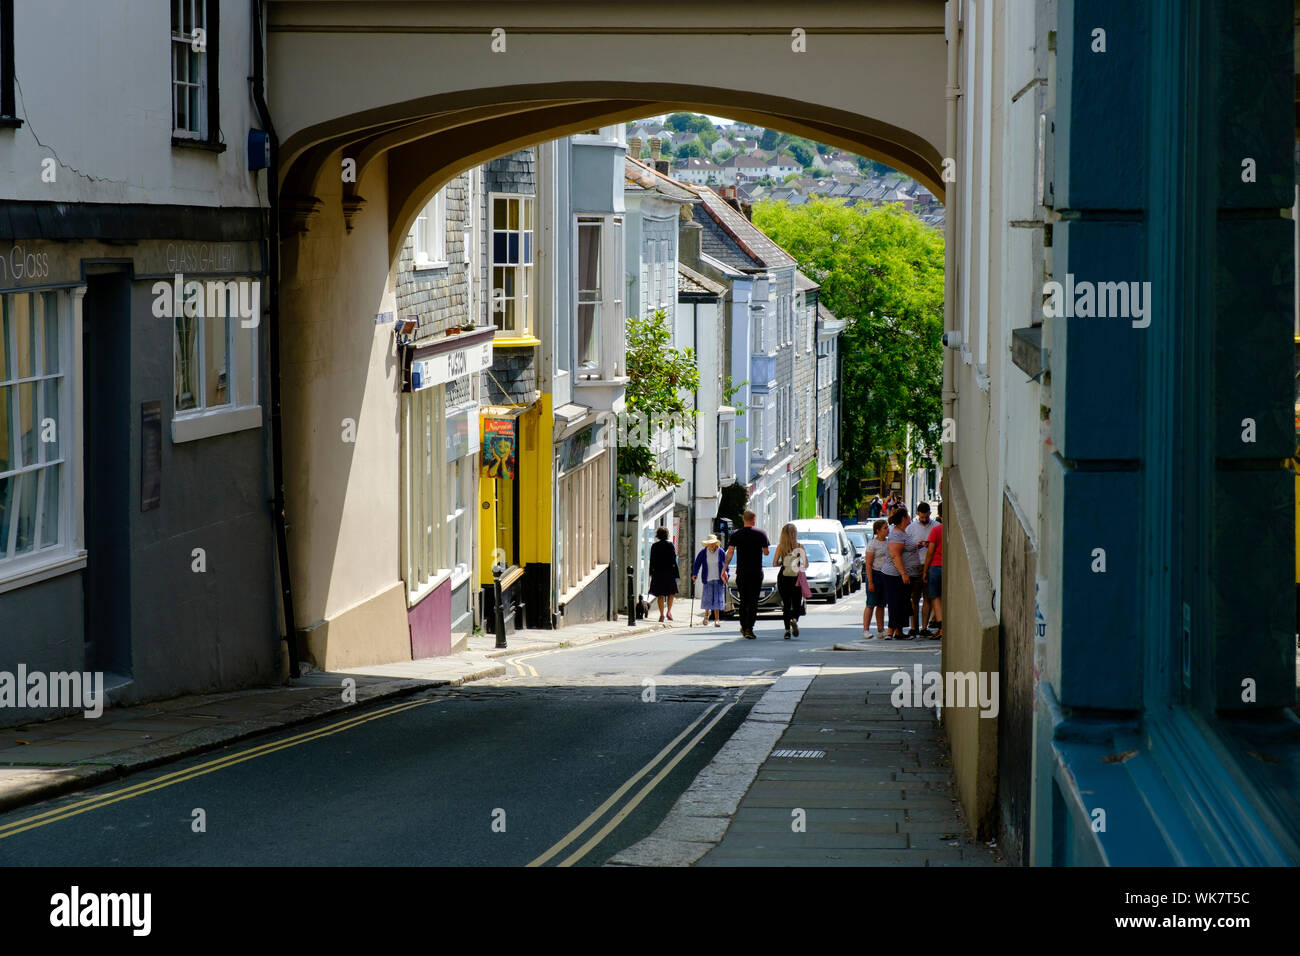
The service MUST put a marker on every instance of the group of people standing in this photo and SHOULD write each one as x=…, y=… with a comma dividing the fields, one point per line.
x=905, y=574
x=750, y=546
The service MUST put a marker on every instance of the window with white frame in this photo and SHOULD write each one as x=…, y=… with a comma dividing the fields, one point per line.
x=430, y=233
x=437, y=496
x=214, y=355
x=36, y=427
x=590, y=234
x=193, y=55
x=810, y=324
x=726, y=448
x=808, y=412
x=512, y=263
x=758, y=440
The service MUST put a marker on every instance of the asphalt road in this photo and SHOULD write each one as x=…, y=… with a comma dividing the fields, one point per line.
x=574, y=756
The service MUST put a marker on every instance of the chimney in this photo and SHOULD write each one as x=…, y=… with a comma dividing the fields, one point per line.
x=654, y=148
x=634, y=147
x=689, y=236
x=661, y=166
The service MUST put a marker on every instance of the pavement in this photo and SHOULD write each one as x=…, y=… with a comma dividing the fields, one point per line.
x=825, y=771
x=52, y=757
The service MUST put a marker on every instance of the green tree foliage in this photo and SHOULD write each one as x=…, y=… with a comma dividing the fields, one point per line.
x=693, y=148
x=659, y=379
x=801, y=150
x=769, y=139
x=881, y=270
x=679, y=122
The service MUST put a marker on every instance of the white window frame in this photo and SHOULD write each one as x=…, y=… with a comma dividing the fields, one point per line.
x=757, y=441
x=525, y=297
x=182, y=51
x=726, y=447
x=429, y=234
x=244, y=409
x=68, y=553
x=595, y=298
x=431, y=527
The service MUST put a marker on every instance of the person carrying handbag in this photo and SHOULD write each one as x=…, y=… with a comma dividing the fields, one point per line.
x=792, y=560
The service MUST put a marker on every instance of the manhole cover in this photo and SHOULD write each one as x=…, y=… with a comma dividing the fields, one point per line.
x=798, y=753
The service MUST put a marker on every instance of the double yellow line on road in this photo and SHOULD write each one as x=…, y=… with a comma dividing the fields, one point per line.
x=645, y=791
x=180, y=776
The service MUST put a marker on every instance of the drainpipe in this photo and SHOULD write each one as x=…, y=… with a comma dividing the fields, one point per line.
x=273, y=333
x=951, y=93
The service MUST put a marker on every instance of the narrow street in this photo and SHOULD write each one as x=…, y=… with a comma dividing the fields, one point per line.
x=576, y=755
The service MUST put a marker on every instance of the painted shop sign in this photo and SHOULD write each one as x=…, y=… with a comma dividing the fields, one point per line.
x=24, y=263
x=448, y=366
x=39, y=263
x=500, y=448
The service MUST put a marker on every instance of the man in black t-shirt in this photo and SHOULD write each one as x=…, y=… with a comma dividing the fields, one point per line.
x=749, y=545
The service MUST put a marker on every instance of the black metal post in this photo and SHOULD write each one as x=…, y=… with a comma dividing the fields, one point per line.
x=631, y=595
x=500, y=605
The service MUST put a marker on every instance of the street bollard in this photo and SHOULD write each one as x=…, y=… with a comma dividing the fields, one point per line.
x=497, y=570
x=631, y=597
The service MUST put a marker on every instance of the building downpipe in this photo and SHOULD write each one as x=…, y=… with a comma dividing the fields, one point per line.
x=273, y=333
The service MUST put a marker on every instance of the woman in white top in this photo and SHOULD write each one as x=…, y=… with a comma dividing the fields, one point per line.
x=877, y=555
x=791, y=558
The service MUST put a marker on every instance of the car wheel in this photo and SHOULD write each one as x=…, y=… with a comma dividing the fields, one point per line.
x=833, y=596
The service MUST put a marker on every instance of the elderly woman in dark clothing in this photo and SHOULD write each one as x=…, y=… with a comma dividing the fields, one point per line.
x=663, y=571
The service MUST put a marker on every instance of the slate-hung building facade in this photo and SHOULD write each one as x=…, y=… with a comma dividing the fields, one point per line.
x=763, y=354
x=134, y=457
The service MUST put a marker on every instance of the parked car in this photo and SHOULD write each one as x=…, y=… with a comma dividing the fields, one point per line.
x=769, y=599
x=831, y=533
x=821, y=572
x=858, y=536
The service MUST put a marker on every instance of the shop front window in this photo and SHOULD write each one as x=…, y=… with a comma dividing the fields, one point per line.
x=35, y=426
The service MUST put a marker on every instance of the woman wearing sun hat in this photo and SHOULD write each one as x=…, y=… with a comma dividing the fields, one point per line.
x=710, y=562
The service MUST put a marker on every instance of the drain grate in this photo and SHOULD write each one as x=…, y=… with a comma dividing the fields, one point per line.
x=798, y=753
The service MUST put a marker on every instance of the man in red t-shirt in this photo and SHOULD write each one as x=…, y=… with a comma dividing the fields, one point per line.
x=932, y=573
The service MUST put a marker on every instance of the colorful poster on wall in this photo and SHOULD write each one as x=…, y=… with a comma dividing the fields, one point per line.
x=500, y=448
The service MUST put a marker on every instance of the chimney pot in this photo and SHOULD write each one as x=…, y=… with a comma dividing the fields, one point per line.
x=654, y=148
x=634, y=147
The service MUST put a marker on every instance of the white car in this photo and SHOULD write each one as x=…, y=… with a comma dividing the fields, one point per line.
x=821, y=571
x=831, y=534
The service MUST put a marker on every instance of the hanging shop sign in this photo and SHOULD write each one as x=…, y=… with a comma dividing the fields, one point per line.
x=447, y=366
x=500, y=447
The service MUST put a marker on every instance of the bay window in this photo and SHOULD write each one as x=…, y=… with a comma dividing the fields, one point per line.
x=590, y=293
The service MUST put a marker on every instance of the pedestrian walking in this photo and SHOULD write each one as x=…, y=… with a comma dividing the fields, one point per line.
x=919, y=531
x=874, y=508
x=792, y=560
x=749, y=545
x=898, y=580
x=710, y=565
x=876, y=559
x=663, y=571
x=934, y=573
